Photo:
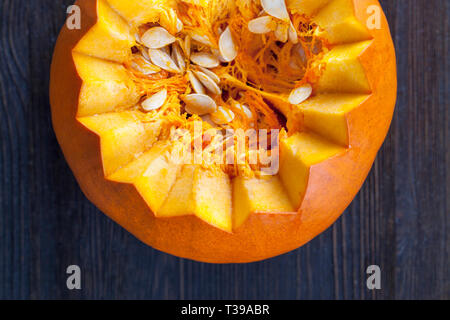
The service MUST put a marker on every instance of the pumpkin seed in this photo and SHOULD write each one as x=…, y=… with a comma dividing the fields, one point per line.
x=163, y=60
x=207, y=119
x=244, y=109
x=179, y=25
x=195, y=83
x=216, y=52
x=199, y=104
x=209, y=83
x=137, y=37
x=140, y=64
x=300, y=94
x=205, y=60
x=144, y=53
x=143, y=70
x=293, y=36
x=262, y=25
x=282, y=32
x=210, y=74
x=157, y=38
x=177, y=56
x=276, y=8
x=166, y=49
x=203, y=39
x=156, y=101
x=298, y=49
x=227, y=46
x=222, y=116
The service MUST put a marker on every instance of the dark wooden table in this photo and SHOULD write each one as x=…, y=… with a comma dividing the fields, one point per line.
x=399, y=221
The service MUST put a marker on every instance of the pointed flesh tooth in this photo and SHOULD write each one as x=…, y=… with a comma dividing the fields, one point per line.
x=209, y=83
x=195, y=83
x=276, y=8
x=205, y=60
x=262, y=25
x=163, y=60
x=300, y=94
x=227, y=46
x=157, y=38
x=199, y=104
x=156, y=101
x=222, y=116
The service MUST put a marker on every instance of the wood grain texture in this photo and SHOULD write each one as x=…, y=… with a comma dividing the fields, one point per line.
x=399, y=220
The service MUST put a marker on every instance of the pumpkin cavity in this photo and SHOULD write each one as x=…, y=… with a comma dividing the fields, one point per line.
x=226, y=73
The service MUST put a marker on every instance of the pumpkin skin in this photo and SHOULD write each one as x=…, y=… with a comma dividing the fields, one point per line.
x=331, y=183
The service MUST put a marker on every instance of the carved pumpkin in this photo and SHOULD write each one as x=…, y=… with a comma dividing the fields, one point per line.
x=312, y=73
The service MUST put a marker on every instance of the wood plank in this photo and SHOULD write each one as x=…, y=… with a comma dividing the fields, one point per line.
x=399, y=220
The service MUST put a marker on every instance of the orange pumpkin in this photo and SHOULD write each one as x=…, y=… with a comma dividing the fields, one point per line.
x=114, y=101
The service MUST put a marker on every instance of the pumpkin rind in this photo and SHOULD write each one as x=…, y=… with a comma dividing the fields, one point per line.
x=329, y=185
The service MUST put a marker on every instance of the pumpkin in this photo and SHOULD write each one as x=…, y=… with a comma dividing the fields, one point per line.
x=312, y=73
